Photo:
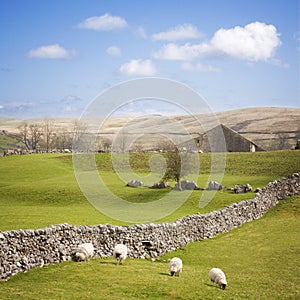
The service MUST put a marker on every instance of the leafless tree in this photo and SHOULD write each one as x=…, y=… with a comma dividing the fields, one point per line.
x=35, y=135
x=48, y=135
x=24, y=133
x=104, y=144
x=121, y=142
x=84, y=140
x=138, y=148
x=165, y=145
x=62, y=140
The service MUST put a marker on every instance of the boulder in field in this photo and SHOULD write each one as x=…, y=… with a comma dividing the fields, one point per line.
x=134, y=183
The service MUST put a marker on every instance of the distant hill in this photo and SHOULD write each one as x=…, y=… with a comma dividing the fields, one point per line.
x=271, y=128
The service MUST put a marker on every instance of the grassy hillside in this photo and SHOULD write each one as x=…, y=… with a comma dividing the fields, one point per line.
x=41, y=189
x=8, y=141
x=257, y=263
x=271, y=128
x=260, y=259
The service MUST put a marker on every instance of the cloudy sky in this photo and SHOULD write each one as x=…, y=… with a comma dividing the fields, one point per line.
x=56, y=56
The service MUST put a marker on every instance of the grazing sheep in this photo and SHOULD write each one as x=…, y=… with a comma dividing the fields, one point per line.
x=217, y=276
x=120, y=253
x=84, y=252
x=175, y=266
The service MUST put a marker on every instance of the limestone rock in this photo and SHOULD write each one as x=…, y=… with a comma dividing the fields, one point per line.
x=135, y=183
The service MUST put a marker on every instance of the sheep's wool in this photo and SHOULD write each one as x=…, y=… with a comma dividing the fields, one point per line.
x=217, y=276
x=120, y=253
x=84, y=251
x=175, y=266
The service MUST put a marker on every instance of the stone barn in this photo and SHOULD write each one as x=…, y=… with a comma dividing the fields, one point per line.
x=222, y=138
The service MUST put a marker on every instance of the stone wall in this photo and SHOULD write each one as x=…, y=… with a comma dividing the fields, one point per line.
x=22, y=250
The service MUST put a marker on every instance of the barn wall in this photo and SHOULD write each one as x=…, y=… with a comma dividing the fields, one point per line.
x=222, y=138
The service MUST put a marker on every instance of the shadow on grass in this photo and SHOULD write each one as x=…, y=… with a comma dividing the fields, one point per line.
x=108, y=262
x=165, y=274
x=211, y=285
x=168, y=274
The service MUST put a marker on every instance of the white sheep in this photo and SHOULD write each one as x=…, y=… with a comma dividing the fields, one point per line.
x=84, y=252
x=120, y=253
x=217, y=276
x=175, y=266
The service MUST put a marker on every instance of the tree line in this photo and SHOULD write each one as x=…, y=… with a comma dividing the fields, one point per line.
x=48, y=137
x=45, y=137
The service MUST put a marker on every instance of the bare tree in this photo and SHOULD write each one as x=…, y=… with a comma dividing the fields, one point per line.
x=35, y=136
x=48, y=135
x=138, y=148
x=104, y=144
x=24, y=133
x=63, y=140
x=165, y=145
x=121, y=141
x=83, y=138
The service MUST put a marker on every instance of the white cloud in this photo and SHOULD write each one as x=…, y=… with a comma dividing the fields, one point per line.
x=180, y=32
x=18, y=107
x=71, y=99
x=254, y=42
x=138, y=67
x=140, y=31
x=187, y=66
x=51, y=51
x=1, y=106
x=113, y=51
x=105, y=22
x=185, y=52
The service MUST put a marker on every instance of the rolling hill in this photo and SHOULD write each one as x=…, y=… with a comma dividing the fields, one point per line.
x=271, y=128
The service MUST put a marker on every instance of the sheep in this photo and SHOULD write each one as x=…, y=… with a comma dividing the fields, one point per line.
x=217, y=276
x=175, y=266
x=84, y=252
x=120, y=253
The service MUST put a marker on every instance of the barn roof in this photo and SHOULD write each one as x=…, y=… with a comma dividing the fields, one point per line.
x=228, y=134
x=231, y=131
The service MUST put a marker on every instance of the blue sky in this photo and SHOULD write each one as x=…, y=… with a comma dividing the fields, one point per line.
x=57, y=56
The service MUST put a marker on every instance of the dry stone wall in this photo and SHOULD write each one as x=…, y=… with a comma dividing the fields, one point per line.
x=21, y=250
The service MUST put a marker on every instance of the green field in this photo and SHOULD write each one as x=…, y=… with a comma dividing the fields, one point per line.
x=41, y=189
x=261, y=258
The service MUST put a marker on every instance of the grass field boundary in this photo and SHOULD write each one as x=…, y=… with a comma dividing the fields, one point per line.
x=26, y=249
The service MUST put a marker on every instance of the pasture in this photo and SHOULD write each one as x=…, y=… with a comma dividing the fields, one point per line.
x=40, y=190
x=260, y=259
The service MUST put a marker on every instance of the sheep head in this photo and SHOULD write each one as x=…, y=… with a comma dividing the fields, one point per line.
x=79, y=256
